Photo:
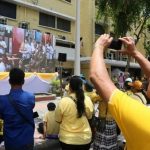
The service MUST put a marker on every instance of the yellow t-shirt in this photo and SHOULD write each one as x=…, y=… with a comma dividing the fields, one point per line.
x=133, y=118
x=102, y=107
x=74, y=130
x=52, y=125
x=94, y=97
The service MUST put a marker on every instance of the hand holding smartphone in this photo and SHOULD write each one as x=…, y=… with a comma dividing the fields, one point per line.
x=116, y=44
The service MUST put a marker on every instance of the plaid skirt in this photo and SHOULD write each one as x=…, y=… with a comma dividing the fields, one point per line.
x=106, y=140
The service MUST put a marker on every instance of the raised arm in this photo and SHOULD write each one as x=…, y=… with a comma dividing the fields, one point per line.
x=98, y=72
x=131, y=50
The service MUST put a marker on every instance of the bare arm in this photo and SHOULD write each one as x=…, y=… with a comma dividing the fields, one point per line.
x=98, y=72
x=132, y=51
x=45, y=129
x=144, y=63
x=148, y=91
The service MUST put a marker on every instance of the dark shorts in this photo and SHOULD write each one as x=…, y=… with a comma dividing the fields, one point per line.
x=1, y=138
x=65, y=146
x=25, y=147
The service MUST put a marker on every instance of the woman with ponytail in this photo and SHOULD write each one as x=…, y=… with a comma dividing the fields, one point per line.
x=72, y=113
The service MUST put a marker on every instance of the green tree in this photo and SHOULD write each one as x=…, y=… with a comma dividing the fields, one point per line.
x=125, y=14
x=147, y=46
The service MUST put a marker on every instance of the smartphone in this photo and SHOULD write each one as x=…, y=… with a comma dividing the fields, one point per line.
x=116, y=44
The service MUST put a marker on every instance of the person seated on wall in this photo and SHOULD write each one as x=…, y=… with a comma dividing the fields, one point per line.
x=51, y=127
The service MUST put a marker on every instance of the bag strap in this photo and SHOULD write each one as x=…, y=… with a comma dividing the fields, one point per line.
x=73, y=99
x=139, y=97
x=15, y=106
x=106, y=109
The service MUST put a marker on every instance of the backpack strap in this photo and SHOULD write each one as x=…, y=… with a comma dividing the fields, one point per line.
x=16, y=107
x=139, y=97
x=73, y=99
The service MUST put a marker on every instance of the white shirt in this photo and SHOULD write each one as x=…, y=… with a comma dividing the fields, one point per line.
x=2, y=47
x=2, y=67
x=49, y=51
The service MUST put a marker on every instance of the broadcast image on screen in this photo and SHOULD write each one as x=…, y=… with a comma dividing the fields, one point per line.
x=30, y=50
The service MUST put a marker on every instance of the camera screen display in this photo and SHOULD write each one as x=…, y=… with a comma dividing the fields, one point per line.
x=116, y=44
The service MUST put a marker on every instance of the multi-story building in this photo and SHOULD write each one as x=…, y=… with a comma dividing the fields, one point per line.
x=59, y=18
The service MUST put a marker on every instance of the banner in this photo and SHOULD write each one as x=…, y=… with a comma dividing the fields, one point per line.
x=34, y=82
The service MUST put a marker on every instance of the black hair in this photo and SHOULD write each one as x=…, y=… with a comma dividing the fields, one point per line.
x=40, y=128
x=16, y=76
x=51, y=106
x=127, y=86
x=68, y=78
x=76, y=87
x=88, y=86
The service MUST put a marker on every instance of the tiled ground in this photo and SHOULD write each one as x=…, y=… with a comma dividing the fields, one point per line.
x=40, y=144
x=41, y=106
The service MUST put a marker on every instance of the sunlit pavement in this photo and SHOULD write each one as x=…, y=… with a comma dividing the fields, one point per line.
x=41, y=108
x=40, y=144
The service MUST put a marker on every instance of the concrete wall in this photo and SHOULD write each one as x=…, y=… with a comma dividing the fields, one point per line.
x=87, y=26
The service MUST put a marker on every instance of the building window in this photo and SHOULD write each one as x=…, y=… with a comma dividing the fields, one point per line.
x=68, y=1
x=47, y=20
x=8, y=9
x=54, y=22
x=63, y=24
x=65, y=44
x=96, y=2
x=99, y=29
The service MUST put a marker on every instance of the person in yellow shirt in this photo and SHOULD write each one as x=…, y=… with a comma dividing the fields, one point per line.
x=106, y=134
x=91, y=92
x=131, y=116
x=51, y=127
x=107, y=137
x=73, y=112
x=133, y=89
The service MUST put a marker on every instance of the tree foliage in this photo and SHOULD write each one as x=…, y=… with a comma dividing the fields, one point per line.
x=124, y=13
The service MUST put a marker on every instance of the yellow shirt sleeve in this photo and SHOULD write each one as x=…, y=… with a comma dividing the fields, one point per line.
x=133, y=118
x=45, y=119
x=58, y=113
x=73, y=130
x=94, y=97
x=89, y=107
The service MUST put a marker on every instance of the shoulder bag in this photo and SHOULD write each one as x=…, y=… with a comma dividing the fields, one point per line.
x=15, y=106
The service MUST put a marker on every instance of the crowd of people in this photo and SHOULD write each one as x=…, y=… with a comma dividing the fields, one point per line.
x=119, y=110
x=131, y=116
x=35, y=55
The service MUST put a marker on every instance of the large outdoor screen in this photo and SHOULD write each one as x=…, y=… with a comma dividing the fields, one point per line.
x=30, y=50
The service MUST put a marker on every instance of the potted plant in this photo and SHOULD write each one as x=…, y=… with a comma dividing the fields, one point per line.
x=56, y=87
